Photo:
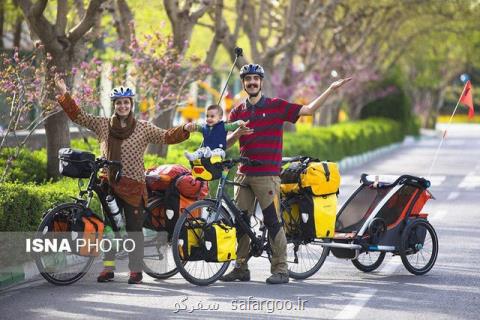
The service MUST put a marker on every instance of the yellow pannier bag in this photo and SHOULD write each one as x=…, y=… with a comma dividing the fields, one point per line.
x=291, y=219
x=220, y=243
x=320, y=178
x=190, y=242
x=318, y=215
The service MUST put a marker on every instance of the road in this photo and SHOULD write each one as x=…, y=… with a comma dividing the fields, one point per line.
x=451, y=290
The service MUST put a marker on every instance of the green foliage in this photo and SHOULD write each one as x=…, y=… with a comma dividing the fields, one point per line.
x=29, y=166
x=341, y=140
x=393, y=104
x=22, y=205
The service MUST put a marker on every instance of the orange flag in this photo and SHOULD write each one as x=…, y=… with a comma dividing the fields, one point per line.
x=466, y=98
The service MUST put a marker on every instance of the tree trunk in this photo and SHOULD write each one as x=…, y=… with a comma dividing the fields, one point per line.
x=17, y=34
x=57, y=128
x=163, y=121
x=58, y=136
x=2, y=21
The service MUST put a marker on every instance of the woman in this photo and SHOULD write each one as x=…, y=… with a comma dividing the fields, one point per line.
x=123, y=138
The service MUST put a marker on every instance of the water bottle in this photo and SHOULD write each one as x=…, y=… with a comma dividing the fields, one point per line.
x=117, y=216
x=108, y=232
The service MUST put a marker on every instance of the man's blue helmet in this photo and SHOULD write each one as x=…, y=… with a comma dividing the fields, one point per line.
x=121, y=92
x=252, y=68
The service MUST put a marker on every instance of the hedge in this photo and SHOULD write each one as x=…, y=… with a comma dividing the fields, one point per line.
x=22, y=202
x=22, y=205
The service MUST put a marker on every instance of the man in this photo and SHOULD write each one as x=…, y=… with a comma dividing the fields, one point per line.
x=262, y=140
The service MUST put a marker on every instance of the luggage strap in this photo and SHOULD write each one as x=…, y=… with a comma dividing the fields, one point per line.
x=327, y=171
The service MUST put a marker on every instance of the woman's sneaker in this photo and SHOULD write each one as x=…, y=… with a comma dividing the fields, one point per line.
x=135, y=278
x=105, y=276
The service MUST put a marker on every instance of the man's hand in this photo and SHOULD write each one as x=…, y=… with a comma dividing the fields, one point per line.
x=337, y=84
x=60, y=84
x=190, y=127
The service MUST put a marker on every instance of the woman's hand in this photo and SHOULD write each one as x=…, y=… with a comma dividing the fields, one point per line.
x=60, y=84
x=190, y=127
x=339, y=83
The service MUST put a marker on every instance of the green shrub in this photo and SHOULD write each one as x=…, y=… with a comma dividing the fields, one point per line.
x=29, y=166
x=22, y=205
x=341, y=140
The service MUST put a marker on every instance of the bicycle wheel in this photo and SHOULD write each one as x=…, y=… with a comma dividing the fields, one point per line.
x=369, y=261
x=305, y=258
x=61, y=268
x=198, y=272
x=158, y=256
x=419, y=247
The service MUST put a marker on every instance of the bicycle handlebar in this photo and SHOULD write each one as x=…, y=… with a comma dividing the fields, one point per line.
x=243, y=160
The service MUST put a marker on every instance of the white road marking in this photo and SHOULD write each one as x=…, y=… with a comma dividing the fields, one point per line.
x=470, y=182
x=453, y=195
x=436, y=180
x=361, y=298
x=357, y=303
x=392, y=265
x=438, y=215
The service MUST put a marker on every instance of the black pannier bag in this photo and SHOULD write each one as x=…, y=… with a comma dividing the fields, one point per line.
x=75, y=163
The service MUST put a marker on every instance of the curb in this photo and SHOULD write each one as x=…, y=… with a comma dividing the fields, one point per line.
x=28, y=271
x=18, y=274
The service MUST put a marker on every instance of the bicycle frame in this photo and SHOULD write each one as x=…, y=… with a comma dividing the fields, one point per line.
x=94, y=186
x=221, y=195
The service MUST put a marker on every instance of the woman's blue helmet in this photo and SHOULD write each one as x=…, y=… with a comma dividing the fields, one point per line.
x=252, y=68
x=121, y=92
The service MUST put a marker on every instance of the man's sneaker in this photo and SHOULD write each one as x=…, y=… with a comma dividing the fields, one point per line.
x=236, y=274
x=278, y=278
x=135, y=278
x=105, y=276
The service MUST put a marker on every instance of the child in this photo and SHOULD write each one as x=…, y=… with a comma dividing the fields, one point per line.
x=214, y=134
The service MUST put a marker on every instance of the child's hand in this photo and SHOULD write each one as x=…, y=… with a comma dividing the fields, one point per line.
x=190, y=127
x=242, y=123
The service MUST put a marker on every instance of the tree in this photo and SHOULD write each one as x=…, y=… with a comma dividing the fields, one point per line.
x=65, y=48
x=183, y=19
x=22, y=83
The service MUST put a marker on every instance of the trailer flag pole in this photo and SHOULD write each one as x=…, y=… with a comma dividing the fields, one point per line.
x=465, y=99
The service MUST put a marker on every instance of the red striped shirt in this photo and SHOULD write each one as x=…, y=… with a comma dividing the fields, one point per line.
x=266, y=143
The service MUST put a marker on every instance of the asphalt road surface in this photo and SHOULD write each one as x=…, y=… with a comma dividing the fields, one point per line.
x=451, y=290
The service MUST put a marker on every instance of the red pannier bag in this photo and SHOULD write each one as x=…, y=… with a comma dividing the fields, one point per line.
x=160, y=178
x=192, y=188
